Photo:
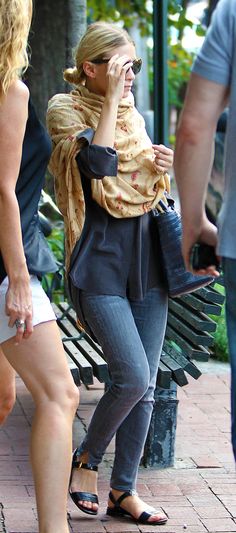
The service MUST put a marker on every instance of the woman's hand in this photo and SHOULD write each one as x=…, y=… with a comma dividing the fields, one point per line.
x=18, y=307
x=114, y=84
x=116, y=72
x=163, y=157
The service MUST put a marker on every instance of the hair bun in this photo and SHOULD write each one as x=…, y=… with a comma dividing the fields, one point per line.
x=71, y=75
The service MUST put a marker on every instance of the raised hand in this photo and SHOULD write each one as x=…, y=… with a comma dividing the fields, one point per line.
x=117, y=68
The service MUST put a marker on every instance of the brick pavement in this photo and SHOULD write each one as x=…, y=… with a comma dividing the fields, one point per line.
x=198, y=493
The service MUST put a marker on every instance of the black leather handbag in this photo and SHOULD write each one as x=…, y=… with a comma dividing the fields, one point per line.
x=179, y=280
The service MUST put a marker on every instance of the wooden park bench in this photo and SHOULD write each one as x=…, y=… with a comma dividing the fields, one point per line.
x=188, y=339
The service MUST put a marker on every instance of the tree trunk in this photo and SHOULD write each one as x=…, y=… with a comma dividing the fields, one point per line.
x=56, y=29
x=77, y=23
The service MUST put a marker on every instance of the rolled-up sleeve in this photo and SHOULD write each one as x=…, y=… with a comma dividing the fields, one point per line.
x=214, y=61
x=95, y=161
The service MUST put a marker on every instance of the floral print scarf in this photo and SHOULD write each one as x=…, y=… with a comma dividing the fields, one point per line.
x=135, y=190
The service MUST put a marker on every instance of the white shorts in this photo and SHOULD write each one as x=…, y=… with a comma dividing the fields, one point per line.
x=42, y=309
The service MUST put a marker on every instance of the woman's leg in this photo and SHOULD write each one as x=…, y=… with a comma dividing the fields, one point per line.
x=229, y=267
x=150, y=318
x=41, y=363
x=7, y=388
x=112, y=321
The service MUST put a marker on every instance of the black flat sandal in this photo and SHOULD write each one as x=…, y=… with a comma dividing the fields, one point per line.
x=117, y=511
x=83, y=496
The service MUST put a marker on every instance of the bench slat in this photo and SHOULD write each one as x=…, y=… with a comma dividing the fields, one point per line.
x=163, y=376
x=199, y=353
x=85, y=368
x=97, y=362
x=187, y=365
x=72, y=317
x=86, y=371
x=199, y=320
x=99, y=365
x=189, y=333
x=211, y=295
x=75, y=375
x=200, y=305
x=177, y=371
x=74, y=371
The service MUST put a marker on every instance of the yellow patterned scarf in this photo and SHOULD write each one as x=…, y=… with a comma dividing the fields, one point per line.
x=135, y=190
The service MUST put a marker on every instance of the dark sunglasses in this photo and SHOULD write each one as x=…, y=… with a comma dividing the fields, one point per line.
x=136, y=66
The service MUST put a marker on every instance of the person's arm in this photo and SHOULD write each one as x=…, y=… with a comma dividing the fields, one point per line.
x=116, y=71
x=205, y=100
x=13, y=117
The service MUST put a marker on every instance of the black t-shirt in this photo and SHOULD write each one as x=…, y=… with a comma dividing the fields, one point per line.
x=36, y=152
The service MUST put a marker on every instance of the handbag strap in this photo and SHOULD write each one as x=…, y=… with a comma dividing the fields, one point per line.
x=162, y=207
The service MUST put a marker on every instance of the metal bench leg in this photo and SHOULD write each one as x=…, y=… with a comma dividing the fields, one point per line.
x=160, y=444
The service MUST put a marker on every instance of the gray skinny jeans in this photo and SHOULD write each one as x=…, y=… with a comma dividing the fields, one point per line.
x=131, y=334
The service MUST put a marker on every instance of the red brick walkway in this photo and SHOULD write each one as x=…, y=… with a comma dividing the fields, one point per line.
x=198, y=493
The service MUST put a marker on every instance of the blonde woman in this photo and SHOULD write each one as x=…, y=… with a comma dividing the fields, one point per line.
x=29, y=340
x=108, y=177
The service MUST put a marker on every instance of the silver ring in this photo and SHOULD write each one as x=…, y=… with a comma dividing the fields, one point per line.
x=19, y=323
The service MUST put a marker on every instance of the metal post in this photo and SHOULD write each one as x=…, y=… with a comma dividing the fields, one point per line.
x=160, y=71
x=159, y=450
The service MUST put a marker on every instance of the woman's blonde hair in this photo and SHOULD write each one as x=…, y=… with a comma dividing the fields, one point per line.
x=15, y=18
x=99, y=39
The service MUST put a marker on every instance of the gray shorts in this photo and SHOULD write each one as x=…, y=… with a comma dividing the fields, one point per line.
x=42, y=309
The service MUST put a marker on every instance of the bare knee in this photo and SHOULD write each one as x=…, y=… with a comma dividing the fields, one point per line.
x=59, y=396
x=72, y=398
x=7, y=401
x=68, y=397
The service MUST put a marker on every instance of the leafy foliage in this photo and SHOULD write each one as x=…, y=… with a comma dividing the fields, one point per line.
x=221, y=341
x=179, y=67
x=54, y=284
x=220, y=347
x=179, y=59
x=122, y=11
x=139, y=12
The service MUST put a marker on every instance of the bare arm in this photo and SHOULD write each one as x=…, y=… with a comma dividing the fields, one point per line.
x=205, y=100
x=105, y=132
x=13, y=117
x=116, y=70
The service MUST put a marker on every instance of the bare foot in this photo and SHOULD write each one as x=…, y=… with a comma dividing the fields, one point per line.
x=135, y=507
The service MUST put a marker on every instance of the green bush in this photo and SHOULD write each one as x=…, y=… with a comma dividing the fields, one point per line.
x=220, y=347
x=54, y=284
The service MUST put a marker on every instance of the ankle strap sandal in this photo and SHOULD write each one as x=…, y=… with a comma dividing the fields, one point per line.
x=79, y=464
x=118, y=511
x=83, y=496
